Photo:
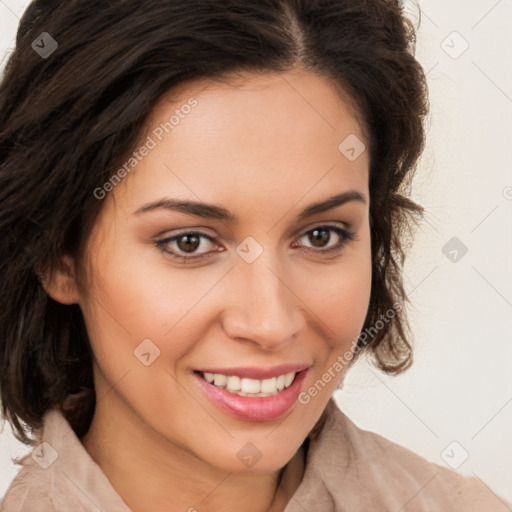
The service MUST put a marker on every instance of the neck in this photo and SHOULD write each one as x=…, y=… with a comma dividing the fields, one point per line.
x=151, y=473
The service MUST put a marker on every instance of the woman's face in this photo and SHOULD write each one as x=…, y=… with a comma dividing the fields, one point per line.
x=273, y=287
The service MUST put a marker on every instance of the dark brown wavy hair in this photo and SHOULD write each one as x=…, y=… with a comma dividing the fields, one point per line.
x=69, y=120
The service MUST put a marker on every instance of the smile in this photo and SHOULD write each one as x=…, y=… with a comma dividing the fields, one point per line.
x=250, y=387
x=252, y=394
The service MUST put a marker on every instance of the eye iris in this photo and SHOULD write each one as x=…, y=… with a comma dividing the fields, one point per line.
x=317, y=239
x=192, y=243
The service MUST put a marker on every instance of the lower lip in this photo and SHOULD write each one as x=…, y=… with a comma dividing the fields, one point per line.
x=256, y=408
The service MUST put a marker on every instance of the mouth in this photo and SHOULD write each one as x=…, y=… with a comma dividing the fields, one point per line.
x=239, y=393
x=243, y=386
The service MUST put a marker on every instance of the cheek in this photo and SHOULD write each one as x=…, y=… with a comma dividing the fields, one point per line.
x=138, y=295
x=339, y=297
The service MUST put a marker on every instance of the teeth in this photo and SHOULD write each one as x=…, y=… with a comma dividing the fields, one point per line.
x=234, y=384
x=280, y=382
x=220, y=380
x=250, y=387
x=268, y=385
x=209, y=377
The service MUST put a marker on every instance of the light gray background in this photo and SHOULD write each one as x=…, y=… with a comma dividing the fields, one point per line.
x=460, y=387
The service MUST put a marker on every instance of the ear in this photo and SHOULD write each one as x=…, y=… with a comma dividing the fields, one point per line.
x=61, y=285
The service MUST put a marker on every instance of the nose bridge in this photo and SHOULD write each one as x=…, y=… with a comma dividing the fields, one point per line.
x=266, y=311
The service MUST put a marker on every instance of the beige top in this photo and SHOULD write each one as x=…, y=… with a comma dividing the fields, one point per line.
x=347, y=470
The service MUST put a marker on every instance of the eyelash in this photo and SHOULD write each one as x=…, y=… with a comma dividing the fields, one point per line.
x=344, y=234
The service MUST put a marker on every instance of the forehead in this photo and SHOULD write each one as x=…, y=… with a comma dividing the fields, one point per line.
x=272, y=101
x=259, y=136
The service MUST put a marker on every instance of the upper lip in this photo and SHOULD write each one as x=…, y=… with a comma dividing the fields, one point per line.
x=253, y=372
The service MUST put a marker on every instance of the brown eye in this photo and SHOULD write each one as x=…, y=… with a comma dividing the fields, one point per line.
x=186, y=243
x=320, y=236
x=184, y=246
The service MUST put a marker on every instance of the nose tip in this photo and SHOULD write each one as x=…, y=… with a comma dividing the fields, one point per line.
x=266, y=312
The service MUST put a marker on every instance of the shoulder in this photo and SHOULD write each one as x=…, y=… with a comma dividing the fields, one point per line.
x=28, y=491
x=35, y=489
x=377, y=470
x=58, y=475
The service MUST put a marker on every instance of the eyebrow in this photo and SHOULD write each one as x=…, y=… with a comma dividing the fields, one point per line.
x=212, y=211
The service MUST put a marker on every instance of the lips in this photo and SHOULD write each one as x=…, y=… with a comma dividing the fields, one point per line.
x=248, y=406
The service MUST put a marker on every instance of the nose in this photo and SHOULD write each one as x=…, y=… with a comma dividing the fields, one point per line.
x=263, y=308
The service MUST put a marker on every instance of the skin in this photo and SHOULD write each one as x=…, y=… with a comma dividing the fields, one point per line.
x=159, y=439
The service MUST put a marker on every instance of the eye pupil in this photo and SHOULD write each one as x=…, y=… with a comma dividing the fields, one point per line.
x=324, y=237
x=192, y=243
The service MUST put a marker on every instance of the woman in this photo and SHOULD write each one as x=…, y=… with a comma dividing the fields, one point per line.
x=203, y=210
